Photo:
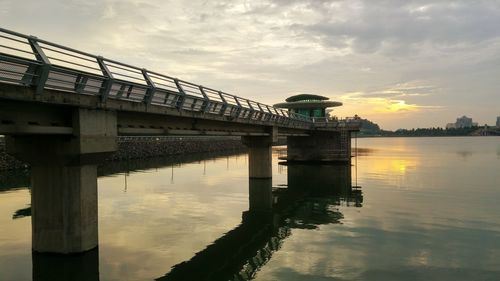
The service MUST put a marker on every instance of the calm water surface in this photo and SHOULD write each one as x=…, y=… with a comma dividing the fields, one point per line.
x=411, y=209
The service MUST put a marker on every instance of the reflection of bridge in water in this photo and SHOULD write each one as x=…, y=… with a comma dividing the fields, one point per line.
x=311, y=199
x=19, y=179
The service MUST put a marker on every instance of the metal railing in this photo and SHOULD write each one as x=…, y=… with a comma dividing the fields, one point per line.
x=32, y=62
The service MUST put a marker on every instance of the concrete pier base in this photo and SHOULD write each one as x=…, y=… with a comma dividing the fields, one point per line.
x=64, y=181
x=320, y=147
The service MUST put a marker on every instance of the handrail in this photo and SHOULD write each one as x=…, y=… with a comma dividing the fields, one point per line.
x=119, y=80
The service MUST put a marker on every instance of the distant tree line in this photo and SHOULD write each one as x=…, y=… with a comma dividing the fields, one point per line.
x=429, y=132
x=370, y=129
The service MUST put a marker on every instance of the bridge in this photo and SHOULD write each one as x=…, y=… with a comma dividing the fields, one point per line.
x=62, y=109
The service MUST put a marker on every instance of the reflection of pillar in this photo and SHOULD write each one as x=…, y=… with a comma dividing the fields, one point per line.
x=80, y=267
x=64, y=181
x=260, y=195
x=259, y=156
x=329, y=179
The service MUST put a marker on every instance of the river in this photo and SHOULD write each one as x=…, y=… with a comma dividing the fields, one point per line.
x=408, y=209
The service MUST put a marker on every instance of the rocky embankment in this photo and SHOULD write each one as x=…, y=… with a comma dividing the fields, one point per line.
x=148, y=147
x=8, y=162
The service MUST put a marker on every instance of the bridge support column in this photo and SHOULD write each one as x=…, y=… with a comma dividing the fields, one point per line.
x=259, y=156
x=64, y=181
x=320, y=147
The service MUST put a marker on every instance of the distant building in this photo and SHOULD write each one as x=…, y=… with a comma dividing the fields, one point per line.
x=462, y=122
x=498, y=122
x=450, y=126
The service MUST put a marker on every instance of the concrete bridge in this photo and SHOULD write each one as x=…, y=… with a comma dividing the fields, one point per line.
x=62, y=109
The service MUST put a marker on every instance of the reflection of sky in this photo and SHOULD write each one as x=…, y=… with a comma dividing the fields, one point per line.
x=428, y=214
x=15, y=237
x=161, y=223
x=156, y=224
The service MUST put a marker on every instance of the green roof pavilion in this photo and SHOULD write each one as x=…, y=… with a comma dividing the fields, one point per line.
x=308, y=105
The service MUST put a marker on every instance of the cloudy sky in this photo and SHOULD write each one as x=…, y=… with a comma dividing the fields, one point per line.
x=402, y=64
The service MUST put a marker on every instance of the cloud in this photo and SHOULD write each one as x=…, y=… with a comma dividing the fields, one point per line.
x=402, y=90
x=400, y=27
x=393, y=101
x=267, y=49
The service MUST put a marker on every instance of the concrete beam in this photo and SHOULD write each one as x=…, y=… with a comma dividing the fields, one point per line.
x=54, y=97
x=34, y=130
x=25, y=117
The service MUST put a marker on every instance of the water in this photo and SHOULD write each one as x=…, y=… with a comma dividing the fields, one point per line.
x=427, y=209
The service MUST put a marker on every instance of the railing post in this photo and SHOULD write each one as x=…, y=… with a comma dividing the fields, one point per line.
x=148, y=98
x=109, y=80
x=204, y=107
x=264, y=115
x=30, y=74
x=44, y=69
x=252, y=110
x=238, y=106
x=180, y=102
x=224, y=103
x=80, y=83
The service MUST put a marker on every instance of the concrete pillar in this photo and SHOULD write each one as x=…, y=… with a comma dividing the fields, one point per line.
x=64, y=208
x=64, y=181
x=259, y=156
